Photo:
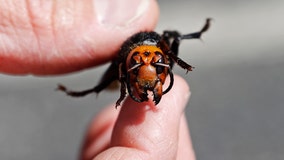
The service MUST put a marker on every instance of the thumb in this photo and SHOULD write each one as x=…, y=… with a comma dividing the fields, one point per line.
x=52, y=37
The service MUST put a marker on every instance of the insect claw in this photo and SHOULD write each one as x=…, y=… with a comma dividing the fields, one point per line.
x=116, y=105
x=61, y=87
x=158, y=92
x=157, y=98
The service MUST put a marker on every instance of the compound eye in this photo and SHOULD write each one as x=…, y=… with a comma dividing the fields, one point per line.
x=159, y=64
x=160, y=69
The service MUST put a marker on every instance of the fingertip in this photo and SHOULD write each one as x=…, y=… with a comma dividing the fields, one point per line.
x=141, y=127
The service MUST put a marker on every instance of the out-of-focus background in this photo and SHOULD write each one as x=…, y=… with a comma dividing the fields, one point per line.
x=237, y=104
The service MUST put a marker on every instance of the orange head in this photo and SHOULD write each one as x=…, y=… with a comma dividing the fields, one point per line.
x=147, y=68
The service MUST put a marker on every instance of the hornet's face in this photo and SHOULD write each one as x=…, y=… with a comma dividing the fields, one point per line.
x=147, y=69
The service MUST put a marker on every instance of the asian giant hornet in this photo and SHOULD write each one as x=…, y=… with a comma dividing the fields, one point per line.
x=142, y=64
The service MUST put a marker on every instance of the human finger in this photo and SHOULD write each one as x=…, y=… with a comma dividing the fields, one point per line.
x=146, y=131
x=54, y=37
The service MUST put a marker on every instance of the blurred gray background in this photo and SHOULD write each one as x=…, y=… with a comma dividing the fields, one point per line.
x=237, y=104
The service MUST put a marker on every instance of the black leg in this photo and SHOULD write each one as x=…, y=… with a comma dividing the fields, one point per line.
x=179, y=61
x=172, y=40
x=195, y=35
x=173, y=52
x=96, y=89
x=75, y=93
x=122, y=94
x=171, y=82
x=169, y=36
x=110, y=75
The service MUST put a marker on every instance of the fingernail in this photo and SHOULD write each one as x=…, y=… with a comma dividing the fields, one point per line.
x=119, y=12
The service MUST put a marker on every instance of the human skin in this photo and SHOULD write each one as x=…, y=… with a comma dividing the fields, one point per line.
x=142, y=131
x=42, y=37
x=45, y=38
